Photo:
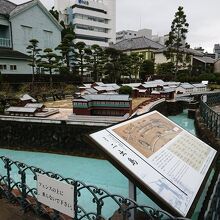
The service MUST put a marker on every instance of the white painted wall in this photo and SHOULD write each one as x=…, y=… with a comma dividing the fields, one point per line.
x=217, y=66
x=160, y=58
x=22, y=66
x=34, y=24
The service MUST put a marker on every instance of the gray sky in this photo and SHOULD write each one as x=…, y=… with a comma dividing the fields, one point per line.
x=202, y=15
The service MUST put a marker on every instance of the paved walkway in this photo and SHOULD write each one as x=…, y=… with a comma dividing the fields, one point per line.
x=12, y=212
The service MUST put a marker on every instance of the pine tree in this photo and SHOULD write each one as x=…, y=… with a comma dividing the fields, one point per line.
x=176, y=44
x=80, y=58
x=50, y=62
x=33, y=50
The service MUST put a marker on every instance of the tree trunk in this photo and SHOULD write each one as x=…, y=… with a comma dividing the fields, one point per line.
x=51, y=79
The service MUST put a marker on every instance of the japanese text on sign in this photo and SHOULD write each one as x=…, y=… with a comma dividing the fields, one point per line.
x=56, y=194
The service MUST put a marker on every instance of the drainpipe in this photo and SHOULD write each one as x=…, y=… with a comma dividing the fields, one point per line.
x=11, y=40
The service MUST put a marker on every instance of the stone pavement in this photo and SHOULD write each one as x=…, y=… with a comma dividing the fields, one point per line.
x=9, y=211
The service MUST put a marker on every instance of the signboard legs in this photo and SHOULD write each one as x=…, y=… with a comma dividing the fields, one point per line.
x=133, y=196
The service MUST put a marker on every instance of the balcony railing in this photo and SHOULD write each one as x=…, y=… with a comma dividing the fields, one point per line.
x=5, y=42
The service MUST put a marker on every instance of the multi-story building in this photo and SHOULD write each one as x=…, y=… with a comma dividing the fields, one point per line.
x=94, y=20
x=147, y=33
x=128, y=34
x=217, y=50
x=18, y=25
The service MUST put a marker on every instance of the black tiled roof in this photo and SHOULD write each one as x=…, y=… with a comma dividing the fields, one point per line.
x=185, y=50
x=6, y=7
x=136, y=44
x=12, y=54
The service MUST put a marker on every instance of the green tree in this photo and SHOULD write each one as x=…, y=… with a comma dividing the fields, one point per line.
x=146, y=69
x=136, y=61
x=34, y=51
x=81, y=58
x=112, y=66
x=65, y=48
x=165, y=68
x=97, y=61
x=55, y=13
x=126, y=66
x=176, y=44
x=127, y=90
x=50, y=62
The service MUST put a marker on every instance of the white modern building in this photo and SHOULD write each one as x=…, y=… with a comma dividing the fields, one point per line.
x=18, y=25
x=147, y=33
x=128, y=34
x=94, y=20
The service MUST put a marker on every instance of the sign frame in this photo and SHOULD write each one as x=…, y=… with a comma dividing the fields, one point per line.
x=146, y=189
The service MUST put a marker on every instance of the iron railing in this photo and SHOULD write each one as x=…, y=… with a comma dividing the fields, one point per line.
x=5, y=42
x=18, y=185
x=210, y=117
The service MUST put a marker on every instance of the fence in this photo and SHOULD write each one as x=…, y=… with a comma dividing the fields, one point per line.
x=18, y=185
x=210, y=117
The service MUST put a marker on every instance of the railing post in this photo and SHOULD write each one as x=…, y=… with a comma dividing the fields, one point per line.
x=75, y=201
x=8, y=168
x=133, y=196
x=23, y=190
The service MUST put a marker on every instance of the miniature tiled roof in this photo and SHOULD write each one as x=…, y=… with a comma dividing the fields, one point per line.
x=186, y=86
x=27, y=97
x=136, y=43
x=199, y=85
x=106, y=97
x=34, y=105
x=12, y=54
x=21, y=110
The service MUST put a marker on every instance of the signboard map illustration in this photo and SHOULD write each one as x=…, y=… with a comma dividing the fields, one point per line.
x=169, y=161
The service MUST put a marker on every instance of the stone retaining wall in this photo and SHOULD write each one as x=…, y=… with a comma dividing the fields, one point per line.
x=58, y=136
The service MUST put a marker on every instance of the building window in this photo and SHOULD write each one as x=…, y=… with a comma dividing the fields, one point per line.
x=13, y=67
x=3, y=67
x=48, y=39
x=27, y=34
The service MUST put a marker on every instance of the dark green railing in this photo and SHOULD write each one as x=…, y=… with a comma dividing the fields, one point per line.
x=210, y=117
x=15, y=185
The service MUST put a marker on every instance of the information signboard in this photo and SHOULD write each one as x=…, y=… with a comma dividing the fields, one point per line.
x=162, y=156
x=55, y=194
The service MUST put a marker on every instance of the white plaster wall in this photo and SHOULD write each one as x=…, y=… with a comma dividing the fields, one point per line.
x=160, y=58
x=39, y=22
x=22, y=66
x=217, y=67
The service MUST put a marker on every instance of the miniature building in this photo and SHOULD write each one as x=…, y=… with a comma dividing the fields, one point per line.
x=21, y=111
x=108, y=105
x=38, y=106
x=27, y=99
x=185, y=88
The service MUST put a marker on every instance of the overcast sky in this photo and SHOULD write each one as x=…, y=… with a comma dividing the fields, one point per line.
x=203, y=17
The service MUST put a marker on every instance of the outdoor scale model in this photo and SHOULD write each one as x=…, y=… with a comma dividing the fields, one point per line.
x=168, y=163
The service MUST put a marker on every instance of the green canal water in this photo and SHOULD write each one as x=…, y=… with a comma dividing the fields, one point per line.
x=91, y=171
